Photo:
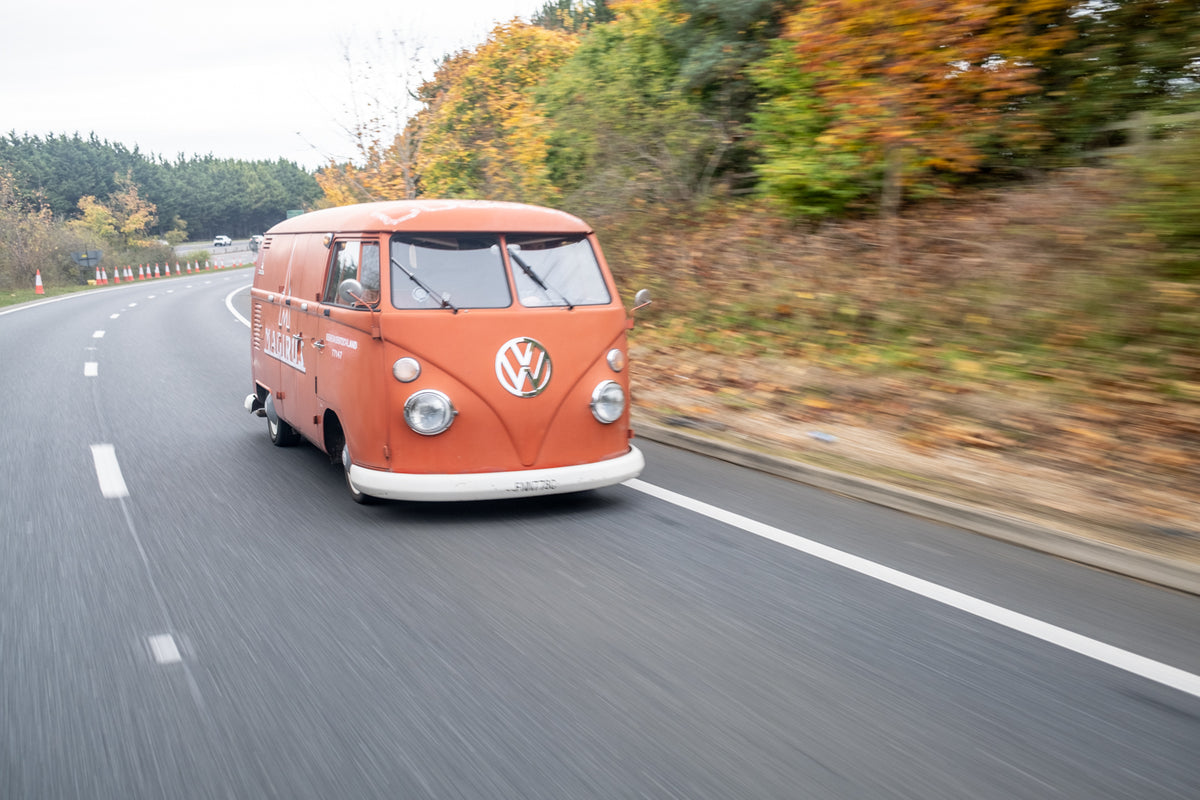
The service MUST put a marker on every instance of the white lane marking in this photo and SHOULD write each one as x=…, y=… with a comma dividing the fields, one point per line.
x=133, y=305
x=114, y=316
x=151, y=297
x=98, y=335
x=91, y=369
x=234, y=311
x=27, y=306
x=164, y=649
x=1156, y=671
x=108, y=471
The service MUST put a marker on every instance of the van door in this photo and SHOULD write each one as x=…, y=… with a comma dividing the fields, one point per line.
x=348, y=339
x=298, y=314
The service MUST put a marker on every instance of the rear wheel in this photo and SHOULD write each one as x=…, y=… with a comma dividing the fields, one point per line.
x=359, y=497
x=282, y=434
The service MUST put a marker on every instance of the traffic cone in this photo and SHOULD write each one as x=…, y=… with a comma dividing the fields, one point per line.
x=189, y=268
x=156, y=272
x=104, y=277
x=129, y=274
x=176, y=267
x=97, y=281
x=141, y=273
x=205, y=263
x=117, y=275
x=37, y=283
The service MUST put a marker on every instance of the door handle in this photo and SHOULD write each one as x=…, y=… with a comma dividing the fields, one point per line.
x=317, y=343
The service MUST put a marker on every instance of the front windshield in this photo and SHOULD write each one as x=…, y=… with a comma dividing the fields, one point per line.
x=446, y=270
x=564, y=264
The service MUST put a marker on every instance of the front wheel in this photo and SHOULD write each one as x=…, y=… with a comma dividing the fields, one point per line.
x=355, y=494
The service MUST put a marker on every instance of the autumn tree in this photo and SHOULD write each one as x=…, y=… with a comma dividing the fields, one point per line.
x=898, y=94
x=481, y=135
x=123, y=218
x=26, y=227
x=386, y=171
x=384, y=74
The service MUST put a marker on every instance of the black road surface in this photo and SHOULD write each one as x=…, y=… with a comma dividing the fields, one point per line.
x=189, y=612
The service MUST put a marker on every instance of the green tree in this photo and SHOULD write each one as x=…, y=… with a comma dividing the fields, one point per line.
x=1126, y=56
x=800, y=169
x=212, y=195
x=1162, y=197
x=572, y=16
x=623, y=123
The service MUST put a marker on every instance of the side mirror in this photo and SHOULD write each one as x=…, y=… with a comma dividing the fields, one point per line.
x=350, y=292
x=641, y=299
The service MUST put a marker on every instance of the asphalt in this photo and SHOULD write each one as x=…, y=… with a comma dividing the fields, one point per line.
x=1150, y=567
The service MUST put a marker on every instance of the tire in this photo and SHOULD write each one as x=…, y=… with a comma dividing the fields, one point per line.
x=282, y=434
x=355, y=494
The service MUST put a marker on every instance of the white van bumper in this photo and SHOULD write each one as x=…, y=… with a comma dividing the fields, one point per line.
x=497, y=485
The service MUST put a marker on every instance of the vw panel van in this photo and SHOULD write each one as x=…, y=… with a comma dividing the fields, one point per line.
x=444, y=350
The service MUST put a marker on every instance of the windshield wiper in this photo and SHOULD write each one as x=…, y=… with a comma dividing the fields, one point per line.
x=528, y=270
x=445, y=303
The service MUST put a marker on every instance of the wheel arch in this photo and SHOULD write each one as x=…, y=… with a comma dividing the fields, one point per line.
x=333, y=435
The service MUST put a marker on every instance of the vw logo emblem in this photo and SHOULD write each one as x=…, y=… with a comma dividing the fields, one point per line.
x=523, y=367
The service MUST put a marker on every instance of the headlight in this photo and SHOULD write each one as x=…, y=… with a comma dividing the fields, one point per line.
x=616, y=359
x=406, y=370
x=429, y=412
x=608, y=402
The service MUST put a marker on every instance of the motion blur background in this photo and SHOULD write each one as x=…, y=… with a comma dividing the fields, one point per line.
x=953, y=244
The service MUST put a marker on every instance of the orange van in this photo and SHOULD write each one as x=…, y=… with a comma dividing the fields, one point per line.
x=444, y=350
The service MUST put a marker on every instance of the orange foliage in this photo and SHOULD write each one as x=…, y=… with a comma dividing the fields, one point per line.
x=481, y=134
x=926, y=75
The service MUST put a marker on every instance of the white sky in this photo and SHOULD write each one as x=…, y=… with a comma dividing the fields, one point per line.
x=256, y=79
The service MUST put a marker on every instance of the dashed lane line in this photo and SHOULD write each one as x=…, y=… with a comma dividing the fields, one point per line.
x=108, y=471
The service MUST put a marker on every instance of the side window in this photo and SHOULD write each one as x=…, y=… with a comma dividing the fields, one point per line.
x=354, y=261
x=369, y=271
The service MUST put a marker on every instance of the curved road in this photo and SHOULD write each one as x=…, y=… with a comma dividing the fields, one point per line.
x=188, y=612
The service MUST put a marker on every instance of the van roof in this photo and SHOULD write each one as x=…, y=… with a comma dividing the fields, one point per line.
x=484, y=216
